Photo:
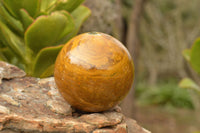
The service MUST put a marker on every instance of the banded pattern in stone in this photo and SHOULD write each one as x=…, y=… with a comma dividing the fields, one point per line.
x=94, y=71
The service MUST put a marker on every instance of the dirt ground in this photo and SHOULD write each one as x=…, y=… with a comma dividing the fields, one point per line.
x=159, y=120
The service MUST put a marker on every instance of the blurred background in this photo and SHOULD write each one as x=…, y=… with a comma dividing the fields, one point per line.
x=155, y=32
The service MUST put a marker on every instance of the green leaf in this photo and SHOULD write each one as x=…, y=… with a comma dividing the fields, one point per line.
x=14, y=6
x=187, y=83
x=12, y=22
x=44, y=61
x=46, y=4
x=48, y=30
x=186, y=54
x=68, y=5
x=8, y=55
x=195, y=55
x=79, y=15
x=48, y=72
x=70, y=25
x=12, y=41
x=25, y=18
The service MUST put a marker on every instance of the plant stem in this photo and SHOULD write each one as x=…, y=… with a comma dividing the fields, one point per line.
x=28, y=60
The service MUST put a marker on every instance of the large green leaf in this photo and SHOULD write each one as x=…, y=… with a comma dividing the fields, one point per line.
x=48, y=72
x=195, y=55
x=70, y=26
x=12, y=41
x=188, y=83
x=26, y=19
x=12, y=22
x=46, y=4
x=14, y=6
x=48, y=30
x=44, y=61
x=186, y=54
x=79, y=15
x=68, y=5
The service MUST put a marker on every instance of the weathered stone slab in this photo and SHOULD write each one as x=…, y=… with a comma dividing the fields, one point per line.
x=8, y=71
x=33, y=105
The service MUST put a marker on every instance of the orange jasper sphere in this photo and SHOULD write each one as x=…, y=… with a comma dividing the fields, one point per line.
x=94, y=72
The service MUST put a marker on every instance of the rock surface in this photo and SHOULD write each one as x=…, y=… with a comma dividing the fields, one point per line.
x=8, y=71
x=34, y=105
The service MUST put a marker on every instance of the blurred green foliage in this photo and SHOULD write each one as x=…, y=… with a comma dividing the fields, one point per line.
x=167, y=28
x=165, y=93
x=192, y=55
x=32, y=32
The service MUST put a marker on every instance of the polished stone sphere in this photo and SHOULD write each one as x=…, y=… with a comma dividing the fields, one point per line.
x=94, y=72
